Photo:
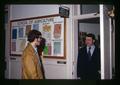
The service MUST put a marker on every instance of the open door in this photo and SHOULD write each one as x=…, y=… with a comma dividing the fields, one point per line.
x=85, y=20
x=107, y=42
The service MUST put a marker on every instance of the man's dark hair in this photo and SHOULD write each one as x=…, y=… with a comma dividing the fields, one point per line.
x=33, y=34
x=91, y=35
x=41, y=46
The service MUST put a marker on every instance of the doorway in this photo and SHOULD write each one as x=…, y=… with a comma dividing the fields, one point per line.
x=98, y=23
x=89, y=26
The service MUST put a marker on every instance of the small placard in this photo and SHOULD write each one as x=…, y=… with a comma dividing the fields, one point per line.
x=61, y=62
x=64, y=12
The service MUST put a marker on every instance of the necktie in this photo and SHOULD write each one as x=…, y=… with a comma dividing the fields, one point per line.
x=89, y=53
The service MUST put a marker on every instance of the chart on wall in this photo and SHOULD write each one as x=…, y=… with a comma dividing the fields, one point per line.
x=52, y=28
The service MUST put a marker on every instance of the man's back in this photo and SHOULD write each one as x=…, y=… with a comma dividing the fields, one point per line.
x=30, y=64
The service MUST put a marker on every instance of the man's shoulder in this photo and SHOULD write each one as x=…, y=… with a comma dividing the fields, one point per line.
x=97, y=48
x=28, y=50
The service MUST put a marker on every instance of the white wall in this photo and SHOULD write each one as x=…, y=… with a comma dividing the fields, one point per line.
x=26, y=11
x=15, y=68
x=53, y=70
x=90, y=28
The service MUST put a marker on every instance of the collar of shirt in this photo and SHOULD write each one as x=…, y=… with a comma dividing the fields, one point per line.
x=92, y=49
x=35, y=48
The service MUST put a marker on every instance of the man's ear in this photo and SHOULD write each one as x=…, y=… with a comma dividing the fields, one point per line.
x=93, y=41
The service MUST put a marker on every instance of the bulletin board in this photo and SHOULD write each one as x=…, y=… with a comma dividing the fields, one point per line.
x=53, y=29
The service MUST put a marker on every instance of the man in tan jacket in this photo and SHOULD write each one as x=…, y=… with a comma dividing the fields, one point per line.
x=31, y=65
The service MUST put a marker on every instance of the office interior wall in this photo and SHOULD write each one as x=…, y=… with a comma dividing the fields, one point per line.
x=90, y=28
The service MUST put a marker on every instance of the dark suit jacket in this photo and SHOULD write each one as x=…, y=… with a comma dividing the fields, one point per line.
x=88, y=69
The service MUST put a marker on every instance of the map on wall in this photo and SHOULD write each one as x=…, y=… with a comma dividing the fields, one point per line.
x=52, y=28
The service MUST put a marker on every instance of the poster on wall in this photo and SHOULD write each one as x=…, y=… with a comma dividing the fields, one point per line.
x=28, y=28
x=57, y=30
x=52, y=28
x=20, y=32
x=57, y=48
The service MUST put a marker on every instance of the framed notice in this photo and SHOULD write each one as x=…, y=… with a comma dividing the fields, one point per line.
x=53, y=29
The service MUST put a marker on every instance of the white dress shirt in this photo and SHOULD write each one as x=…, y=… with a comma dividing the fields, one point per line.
x=91, y=50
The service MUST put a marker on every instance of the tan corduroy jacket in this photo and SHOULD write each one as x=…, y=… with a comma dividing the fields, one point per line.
x=31, y=68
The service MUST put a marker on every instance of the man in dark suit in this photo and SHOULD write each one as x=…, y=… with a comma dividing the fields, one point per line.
x=88, y=63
